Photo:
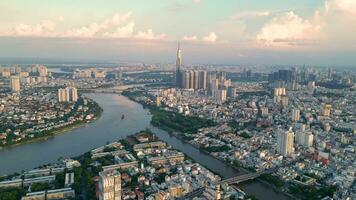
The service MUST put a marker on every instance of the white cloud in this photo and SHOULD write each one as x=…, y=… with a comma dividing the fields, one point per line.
x=211, y=37
x=190, y=38
x=44, y=28
x=121, y=32
x=347, y=6
x=94, y=28
x=112, y=27
x=287, y=27
x=149, y=35
x=251, y=14
x=115, y=20
x=333, y=24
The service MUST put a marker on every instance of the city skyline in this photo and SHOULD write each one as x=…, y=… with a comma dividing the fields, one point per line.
x=286, y=33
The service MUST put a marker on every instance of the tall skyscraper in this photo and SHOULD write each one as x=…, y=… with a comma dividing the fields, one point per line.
x=285, y=142
x=110, y=185
x=178, y=74
x=15, y=83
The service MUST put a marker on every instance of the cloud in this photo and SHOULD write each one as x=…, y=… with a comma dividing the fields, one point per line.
x=287, y=27
x=94, y=28
x=251, y=14
x=346, y=6
x=211, y=37
x=149, y=35
x=44, y=28
x=116, y=19
x=60, y=18
x=332, y=25
x=338, y=21
x=122, y=32
x=116, y=26
x=190, y=38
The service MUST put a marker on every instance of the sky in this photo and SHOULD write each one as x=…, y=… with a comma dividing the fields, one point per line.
x=280, y=32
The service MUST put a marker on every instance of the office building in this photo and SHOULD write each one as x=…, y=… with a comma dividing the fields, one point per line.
x=15, y=83
x=178, y=73
x=110, y=185
x=285, y=142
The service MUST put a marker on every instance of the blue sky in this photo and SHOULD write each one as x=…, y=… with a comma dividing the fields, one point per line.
x=320, y=32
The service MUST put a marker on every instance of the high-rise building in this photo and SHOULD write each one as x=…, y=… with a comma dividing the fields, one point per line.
x=191, y=80
x=213, y=87
x=285, y=142
x=62, y=95
x=222, y=95
x=110, y=185
x=196, y=79
x=202, y=80
x=304, y=138
x=68, y=94
x=284, y=100
x=232, y=92
x=15, y=83
x=178, y=74
x=72, y=94
x=279, y=91
x=295, y=115
x=185, y=79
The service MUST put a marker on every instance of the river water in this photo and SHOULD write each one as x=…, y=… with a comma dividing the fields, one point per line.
x=109, y=127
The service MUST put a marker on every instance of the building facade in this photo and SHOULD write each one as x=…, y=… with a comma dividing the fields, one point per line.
x=110, y=185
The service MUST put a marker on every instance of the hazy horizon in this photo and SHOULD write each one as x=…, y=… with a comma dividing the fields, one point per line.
x=320, y=32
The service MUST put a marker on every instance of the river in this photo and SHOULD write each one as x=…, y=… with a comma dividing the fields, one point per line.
x=109, y=127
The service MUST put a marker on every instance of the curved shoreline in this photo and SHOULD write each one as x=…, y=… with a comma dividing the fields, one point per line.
x=53, y=133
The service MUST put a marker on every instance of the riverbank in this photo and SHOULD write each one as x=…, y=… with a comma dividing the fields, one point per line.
x=177, y=133
x=52, y=133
